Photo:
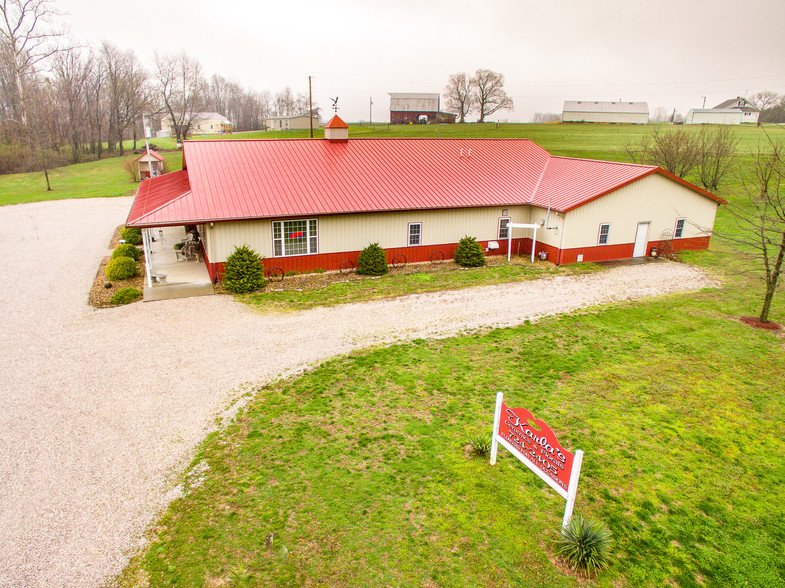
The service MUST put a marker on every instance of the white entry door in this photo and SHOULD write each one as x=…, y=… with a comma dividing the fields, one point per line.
x=641, y=240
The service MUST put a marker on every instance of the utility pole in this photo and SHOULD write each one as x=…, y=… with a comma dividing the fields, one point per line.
x=310, y=106
x=704, y=102
x=370, y=114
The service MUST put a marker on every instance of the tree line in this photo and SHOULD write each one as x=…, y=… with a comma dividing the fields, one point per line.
x=63, y=103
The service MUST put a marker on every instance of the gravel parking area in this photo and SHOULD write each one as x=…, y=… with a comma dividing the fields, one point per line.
x=87, y=460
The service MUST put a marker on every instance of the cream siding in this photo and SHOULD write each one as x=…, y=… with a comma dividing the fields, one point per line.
x=711, y=116
x=655, y=199
x=352, y=232
x=606, y=117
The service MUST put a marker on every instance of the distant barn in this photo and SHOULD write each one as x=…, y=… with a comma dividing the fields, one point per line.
x=417, y=108
x=605, y=112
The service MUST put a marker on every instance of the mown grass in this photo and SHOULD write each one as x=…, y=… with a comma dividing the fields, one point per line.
x=108, y=177
x=343, y=291
x=360, y=468
x=96, y=179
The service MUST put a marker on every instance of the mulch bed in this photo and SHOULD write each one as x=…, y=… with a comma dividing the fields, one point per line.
x=100, y=295
x=315, y=281
x=754, y=322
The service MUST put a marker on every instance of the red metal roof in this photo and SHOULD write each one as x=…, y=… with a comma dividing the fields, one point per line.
x=230, y=180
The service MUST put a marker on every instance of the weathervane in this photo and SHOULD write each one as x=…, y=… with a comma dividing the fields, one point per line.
x=335, y=104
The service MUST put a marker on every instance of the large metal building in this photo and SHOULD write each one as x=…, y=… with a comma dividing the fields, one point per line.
x=417, y=108
x=605, y=112
x=308, y=204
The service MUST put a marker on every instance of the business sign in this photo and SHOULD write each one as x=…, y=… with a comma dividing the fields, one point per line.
x=534, y=443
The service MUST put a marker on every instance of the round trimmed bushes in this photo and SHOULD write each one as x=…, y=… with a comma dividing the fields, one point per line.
x=244, y=271
x=125, y=295
x=372, y=261
x=131, y=235
x=469, y=253
x=121, y=268
x=127, y=250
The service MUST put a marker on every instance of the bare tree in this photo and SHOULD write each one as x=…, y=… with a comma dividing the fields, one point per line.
x=460, y=98
x=716, y=153
x=489, y=94
x=674, y=150
x=661, y=115
x=761, y=225
x=284, y=102
x=764, y=100
x=72, y=70
x=128, y=95
x=26, y=41
x=545, y=117
x=180, y=89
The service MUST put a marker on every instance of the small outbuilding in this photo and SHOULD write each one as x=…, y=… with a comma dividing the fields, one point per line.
x=308, y=204
x=149, y=164
x=605, y=112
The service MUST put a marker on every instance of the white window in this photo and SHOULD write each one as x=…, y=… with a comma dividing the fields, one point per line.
x=605, y=230
x=679, y=228
x=295, y=237
x=415, y=234
x=504, y=228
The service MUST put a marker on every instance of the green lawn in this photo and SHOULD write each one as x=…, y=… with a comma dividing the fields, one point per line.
x=96, y=179
x=357, y=473
x=359, y=470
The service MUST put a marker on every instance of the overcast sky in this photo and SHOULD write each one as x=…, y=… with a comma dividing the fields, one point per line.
x=668, y=53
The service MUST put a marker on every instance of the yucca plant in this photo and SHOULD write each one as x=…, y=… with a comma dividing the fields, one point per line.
x=481, y=444
x=585, y=544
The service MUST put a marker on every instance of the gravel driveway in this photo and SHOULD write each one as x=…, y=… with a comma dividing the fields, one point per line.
x=87, y=460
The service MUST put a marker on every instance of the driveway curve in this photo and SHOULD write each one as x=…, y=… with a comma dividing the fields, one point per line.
x=101, y=409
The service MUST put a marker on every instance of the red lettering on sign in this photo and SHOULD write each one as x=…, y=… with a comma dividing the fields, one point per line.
x=295, y=235
x=534, y=440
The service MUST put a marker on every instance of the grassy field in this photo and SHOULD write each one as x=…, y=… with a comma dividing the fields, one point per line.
x=96, y=179
x=358, y=473
x=108, y=177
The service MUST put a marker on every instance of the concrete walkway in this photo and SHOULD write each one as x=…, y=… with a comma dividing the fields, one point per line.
x=102, y=409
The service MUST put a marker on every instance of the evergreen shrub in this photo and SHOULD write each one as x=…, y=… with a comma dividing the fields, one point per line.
x=372, y=261
x=244, y=271
x=126, y=295
x=131, y=235
x=585, y=544
x=121, y=268
x=127, y=250
x=469, y=253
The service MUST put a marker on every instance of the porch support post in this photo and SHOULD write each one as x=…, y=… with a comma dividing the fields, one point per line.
x=534, y=241
x=148, y=256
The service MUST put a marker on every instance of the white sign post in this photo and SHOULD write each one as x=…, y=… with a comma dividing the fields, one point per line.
x=532, y=442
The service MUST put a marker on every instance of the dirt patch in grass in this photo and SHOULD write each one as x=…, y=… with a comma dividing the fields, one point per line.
x=755, y=322
x=100, y=296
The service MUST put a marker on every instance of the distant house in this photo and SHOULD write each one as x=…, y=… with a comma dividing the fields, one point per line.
x=731, y=112
x=605, y=112
x=286, y=123
x=305, y=204
x=417, y=108
x=150, y=165
x=204, y=123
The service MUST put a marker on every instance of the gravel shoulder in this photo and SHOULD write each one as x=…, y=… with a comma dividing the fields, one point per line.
x=87, y=462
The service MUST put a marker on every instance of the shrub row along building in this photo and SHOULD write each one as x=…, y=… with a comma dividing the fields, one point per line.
x=306, y=204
